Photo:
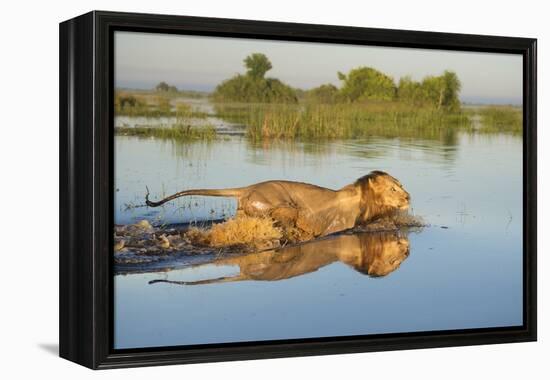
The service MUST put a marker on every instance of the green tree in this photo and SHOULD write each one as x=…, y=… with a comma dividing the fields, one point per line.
x=165, y=87
x=257, y=65
x=442, y=91
x=325, y=93
x=243, y=88
x=435, y=91
x=452, y=89
x=409, y=91
x=162, y=86
x=253, y=86
x=432, y=90
x=366, y=83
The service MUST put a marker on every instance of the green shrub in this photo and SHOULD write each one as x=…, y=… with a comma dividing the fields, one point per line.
x=253, y=86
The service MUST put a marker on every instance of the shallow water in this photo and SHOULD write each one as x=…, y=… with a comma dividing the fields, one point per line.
x=464, y=271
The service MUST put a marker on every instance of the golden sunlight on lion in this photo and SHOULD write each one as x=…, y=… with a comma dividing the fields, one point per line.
x=303, y=211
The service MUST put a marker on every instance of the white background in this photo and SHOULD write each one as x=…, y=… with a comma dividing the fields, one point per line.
x=29, y=190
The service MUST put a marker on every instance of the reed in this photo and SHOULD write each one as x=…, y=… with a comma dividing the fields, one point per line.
x=501, y=119
x=177, y=132
x=340, y=121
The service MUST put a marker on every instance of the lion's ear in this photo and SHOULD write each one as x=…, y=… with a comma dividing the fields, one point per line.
x=373, y=182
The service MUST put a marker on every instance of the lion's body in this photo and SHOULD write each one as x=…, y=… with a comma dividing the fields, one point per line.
x=315, y=210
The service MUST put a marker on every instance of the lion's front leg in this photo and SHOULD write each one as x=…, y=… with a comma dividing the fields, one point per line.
x=305, y=228
x=285, y=215
x=287, y=218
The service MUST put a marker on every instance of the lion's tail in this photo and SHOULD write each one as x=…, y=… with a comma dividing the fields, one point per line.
x=236, y=192
x=204, y=282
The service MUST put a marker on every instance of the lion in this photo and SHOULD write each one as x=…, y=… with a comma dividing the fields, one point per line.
x=372, y=254
x=316, y=211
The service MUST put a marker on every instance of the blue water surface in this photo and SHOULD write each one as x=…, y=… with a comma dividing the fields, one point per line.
x=463, y=271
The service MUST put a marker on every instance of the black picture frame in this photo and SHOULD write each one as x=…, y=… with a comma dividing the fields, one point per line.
x=86, y=188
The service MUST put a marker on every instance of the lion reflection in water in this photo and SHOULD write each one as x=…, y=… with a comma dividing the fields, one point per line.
x=373, y=254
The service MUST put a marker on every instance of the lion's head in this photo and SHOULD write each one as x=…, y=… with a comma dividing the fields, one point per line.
x=381, y=253
x=381, y=194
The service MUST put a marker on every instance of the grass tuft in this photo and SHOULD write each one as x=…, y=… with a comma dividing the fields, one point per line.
x=241, y=231
x=182, y=133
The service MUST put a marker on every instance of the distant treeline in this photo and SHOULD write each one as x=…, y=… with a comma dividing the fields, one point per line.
x=361, y=84
x=153, y=104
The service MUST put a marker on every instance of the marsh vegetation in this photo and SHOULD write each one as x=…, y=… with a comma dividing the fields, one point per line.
x=501, y=119
x=341, y=121
x=177, y=132
x=156, y=104
x=368, y=103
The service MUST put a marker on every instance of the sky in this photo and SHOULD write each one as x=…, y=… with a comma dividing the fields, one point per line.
x=142, y=60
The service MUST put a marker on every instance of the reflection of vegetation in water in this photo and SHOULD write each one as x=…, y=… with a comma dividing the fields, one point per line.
x=372, y=254
x=293, y=150
x=197, y=152
x=292, y=147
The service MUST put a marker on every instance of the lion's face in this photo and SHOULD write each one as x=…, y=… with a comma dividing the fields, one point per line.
x=377, y=254
x=388, y=259
x=389, y=193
